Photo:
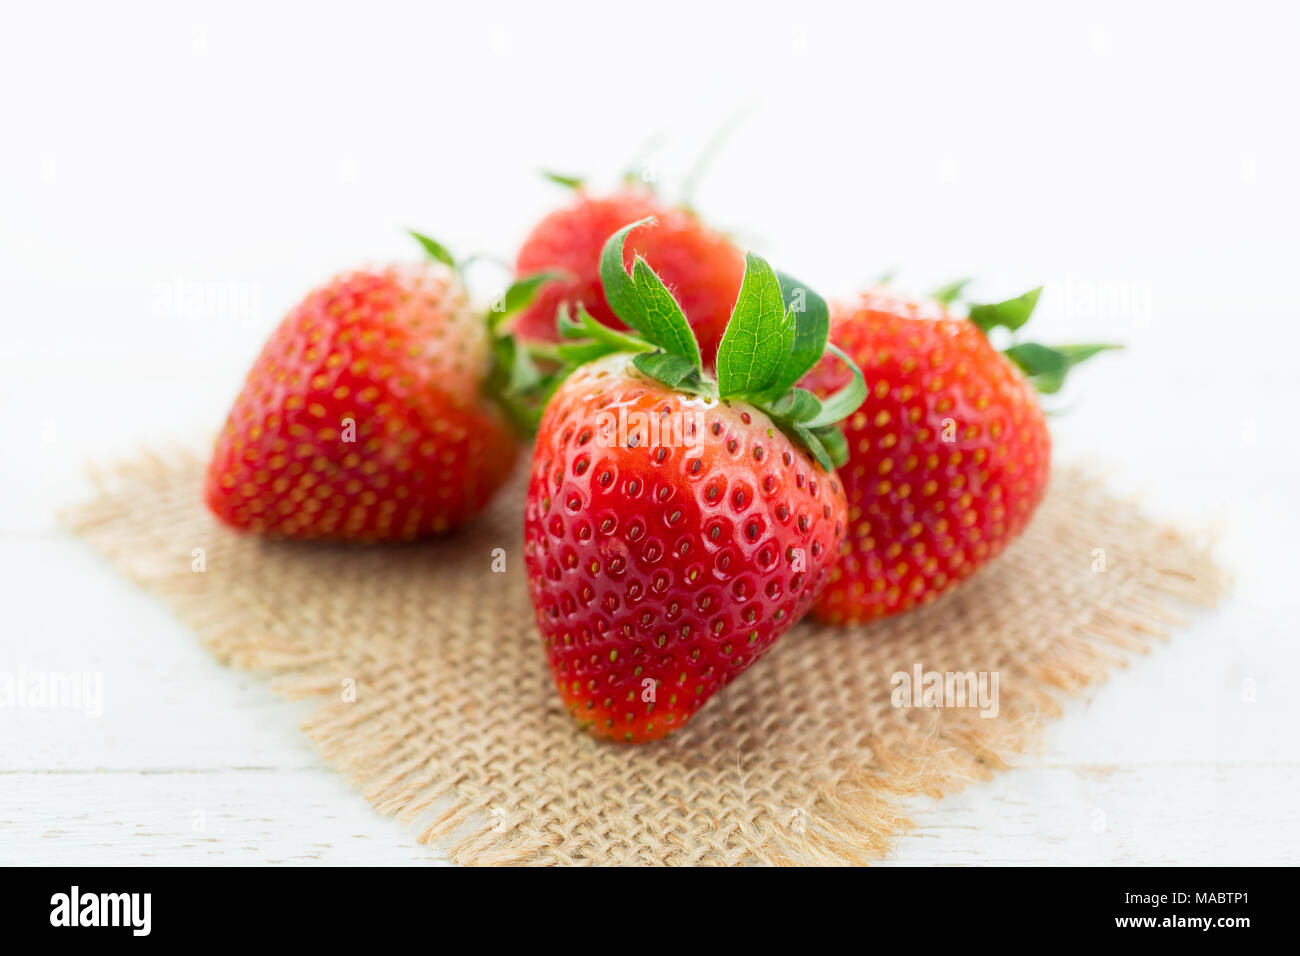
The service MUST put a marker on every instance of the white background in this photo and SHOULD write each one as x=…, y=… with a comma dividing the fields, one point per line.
x=172, y=180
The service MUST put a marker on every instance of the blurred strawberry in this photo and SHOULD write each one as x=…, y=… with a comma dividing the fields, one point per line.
x=365, y=417
x=949, y=454
x=701, y=267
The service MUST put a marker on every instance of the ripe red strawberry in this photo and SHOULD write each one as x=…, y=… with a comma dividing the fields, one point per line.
x=949, y=454
x=702, y=267
x=673, y=530
x=363, y=418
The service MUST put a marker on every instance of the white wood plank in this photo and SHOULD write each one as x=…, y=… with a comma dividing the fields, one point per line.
x=1050, y=815
x=223, y=817
x=1197, y=814
x=167, y=704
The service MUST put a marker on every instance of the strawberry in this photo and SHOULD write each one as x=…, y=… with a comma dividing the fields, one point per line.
x=364, y=418
x=949, y=454
x=702, y=267
x=676, y=526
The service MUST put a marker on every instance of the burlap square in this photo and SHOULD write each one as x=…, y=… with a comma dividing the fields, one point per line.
x=436, y=699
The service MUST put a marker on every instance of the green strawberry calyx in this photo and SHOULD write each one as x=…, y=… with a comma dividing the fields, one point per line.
x=576, y=183
x=1045, y=366
x=434, y=249
x=523, y=375
x=778, y=330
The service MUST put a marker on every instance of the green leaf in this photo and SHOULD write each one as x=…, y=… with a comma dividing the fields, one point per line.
x=594, y=333
x=1035, y=359
x=1011, y=314
x=642, y=301
x=514, y=368
x=812, y=323
x=571, y=328
x=523, y=373
x=1046, y=366
x=796, y=405
x=580, y=353
x=434, y=248
x=620, y=291
x=947, y=294
x=519, y=295
x=809, y=440
x=665, y=323
x=847, y=400
x=1081, y=353
x=525, y=410
x=759, y=336
x=769, y=345
x=1048, y=383
x=516, y=384
x=672, y=370
x=572, y=182
x=836, y=445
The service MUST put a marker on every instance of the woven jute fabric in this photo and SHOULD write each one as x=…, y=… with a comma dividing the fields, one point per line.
x=435, y=697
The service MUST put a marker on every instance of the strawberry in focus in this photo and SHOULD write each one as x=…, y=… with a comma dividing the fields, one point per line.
x=702, y=267
x=364, y=418
x=659, y=573
x=676, y=527
x=948, y=456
